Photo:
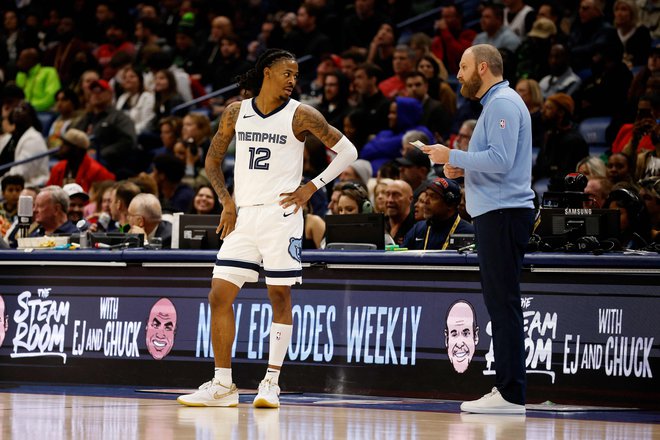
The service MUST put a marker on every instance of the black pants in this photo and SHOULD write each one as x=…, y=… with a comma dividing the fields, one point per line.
x=502, y=237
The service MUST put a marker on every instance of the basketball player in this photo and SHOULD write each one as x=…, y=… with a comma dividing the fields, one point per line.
x=267, y=227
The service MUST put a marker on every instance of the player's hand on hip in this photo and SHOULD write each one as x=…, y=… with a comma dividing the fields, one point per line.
x=453, y=172
x=299, y=197
x=227, y=220
x=438, y=153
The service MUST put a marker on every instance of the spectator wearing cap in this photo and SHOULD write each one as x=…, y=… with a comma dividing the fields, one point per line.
x=51, y=209
x=115, y=141
x=78, y=198
x=414, y=168
x=40, y=83
x=359, y=171
x=561, y=78
x=532, y=55
x=175, y=196
x=441, y=219
x=564, y=145
x=75, y=164
x=145, y=217
x=405, y=114
x=186, y=52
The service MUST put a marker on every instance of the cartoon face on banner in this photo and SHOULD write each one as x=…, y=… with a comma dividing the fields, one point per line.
x=161, y=328
x=4, y=320
x=461, y=334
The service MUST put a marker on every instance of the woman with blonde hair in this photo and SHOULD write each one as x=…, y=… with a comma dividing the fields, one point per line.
x=592, y=167
x=530, y=92
x=636, y=38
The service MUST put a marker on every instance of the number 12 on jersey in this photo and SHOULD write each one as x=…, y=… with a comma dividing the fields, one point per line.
x=259, y=158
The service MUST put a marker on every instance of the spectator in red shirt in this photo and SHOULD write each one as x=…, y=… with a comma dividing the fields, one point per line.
x=76, y=165
x=403, y=62
x=451, y=39
x=116, y=42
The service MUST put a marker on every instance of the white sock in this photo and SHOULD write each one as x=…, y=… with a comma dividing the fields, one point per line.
x=280, y=337
x=273, y=375
x=223, y=375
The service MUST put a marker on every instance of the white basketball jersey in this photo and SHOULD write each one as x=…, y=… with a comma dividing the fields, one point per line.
x=269, y=157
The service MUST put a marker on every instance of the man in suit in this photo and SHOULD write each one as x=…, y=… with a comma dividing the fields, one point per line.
x=145, y=217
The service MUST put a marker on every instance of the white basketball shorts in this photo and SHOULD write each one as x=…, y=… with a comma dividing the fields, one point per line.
x=264, y=234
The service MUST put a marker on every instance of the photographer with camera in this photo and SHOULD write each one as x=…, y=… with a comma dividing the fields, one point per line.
x=195, y=137
x=635, y=138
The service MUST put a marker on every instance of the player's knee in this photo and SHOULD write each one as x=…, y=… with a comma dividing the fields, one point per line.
x=218, y=299
x=280, y=297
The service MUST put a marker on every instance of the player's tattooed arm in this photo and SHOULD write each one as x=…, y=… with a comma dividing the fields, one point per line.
x=308, y=120
x=218, y=150
x=213, y=166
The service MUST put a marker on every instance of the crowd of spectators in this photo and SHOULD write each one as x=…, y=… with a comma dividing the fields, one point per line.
x=110, y=82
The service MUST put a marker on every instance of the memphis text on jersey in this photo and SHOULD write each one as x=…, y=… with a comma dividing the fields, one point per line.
x=255, y=136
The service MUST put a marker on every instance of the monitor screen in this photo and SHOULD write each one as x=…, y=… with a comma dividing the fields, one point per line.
x=355, y=228
x=197, y=231
x=574, y=223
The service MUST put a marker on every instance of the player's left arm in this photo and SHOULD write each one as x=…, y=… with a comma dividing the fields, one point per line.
x=308, y=120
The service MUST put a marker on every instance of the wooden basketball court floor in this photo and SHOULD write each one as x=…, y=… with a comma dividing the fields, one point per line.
x=87, y=412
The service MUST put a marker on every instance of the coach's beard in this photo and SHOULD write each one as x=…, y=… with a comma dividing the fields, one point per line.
x=470, y=87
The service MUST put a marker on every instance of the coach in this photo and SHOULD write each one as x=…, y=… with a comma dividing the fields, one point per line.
x=498, y=173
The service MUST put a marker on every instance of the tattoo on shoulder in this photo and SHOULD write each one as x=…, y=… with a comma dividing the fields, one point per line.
x=225, y=133
x=309, y=120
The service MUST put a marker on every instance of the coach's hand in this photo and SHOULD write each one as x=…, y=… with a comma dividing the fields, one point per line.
x=453, y=172
x=299, y=197
x=438, y=153
x=227, y=219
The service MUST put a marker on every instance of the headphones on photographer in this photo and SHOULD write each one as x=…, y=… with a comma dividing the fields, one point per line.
x=362, y=197
x=629, y=200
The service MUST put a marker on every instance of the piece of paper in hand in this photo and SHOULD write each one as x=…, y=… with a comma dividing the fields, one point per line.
x=418, y=144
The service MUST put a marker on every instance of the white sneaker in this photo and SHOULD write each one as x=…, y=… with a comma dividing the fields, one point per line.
x=211, y=393
x=268, y=396
x=492, y=403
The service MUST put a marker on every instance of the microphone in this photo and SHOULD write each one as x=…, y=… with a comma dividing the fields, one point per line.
x=114, y=246
x=24, y=215
x=104, y=220
x=82, y=226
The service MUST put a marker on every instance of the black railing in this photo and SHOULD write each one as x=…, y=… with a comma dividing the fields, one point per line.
x=29, y=159
x=222, y=91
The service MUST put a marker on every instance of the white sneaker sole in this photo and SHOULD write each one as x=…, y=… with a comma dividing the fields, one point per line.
x=495, y=410
x=226, y=403
x=260, y=402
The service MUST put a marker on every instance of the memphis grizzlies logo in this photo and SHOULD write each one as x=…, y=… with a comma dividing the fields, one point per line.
x=295, y=248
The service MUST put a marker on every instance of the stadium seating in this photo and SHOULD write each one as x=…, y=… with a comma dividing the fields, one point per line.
x=593, y=131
